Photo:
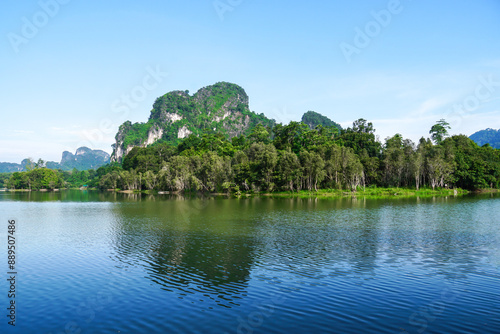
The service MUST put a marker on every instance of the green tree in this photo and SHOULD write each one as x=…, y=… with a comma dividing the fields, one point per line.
x=259, y=134
x=361, y=136
x=263, y=159
x=288, y=172
x=313, y=169
x=352, y=169
x=291, y=136
x=150, y=180
x=439, y=131
x=333, y=165
x=241, y=169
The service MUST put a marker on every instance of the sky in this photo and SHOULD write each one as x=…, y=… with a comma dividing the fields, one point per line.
x=72, y=71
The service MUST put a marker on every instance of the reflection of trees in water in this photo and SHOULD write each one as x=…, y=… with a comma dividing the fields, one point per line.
x=309, y=241
x=201, y=263
x=355, y=237
x=76, y=195
x=322, y=251
x=182, y=251
x=439, y=236
x=322, y=239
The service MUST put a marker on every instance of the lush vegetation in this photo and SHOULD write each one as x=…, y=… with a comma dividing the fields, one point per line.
x=39, y=177
x=135, y=134
x=222, y=108
x=294, y=158
x=4, y=178
x=313, y=119
x=487, y=137
x=289, y=158
x=36, y=179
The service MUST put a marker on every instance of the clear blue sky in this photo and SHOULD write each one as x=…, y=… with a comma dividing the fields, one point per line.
x=62, y=83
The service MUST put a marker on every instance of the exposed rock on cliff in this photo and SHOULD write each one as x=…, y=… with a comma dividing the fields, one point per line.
x=222, y=107
x=83, y=159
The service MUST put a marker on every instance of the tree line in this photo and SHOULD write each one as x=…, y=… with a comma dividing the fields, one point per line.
x=38, y=176
x=291, y=158
x=294, y=157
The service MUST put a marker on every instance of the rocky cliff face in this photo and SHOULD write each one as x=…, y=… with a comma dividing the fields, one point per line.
x=83, y=159
x=222, y=107
x=8, y=167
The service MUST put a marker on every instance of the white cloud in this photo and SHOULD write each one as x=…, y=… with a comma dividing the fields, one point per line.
x=22, y=132
x=431, y=105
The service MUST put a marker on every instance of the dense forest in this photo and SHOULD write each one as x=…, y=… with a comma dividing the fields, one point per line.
x=290, y=158
x=41, y=177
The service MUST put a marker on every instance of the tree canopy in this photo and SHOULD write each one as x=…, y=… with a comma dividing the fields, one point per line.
x=439, y=131
x=290, y=157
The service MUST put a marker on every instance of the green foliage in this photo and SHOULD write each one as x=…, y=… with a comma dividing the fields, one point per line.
x=221, y=108
x=45, y=178
x=299, y=158
x=313, y=119
x=290, y=136
x=439, y=131
x=361, y=137
x=288, y=174
x=36, y=179
x=475, y=167
x=135, y=134
x=178, y=102
x=259, y=134
x=4, y=178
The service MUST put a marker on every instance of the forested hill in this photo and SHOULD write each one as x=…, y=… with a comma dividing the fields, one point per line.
x=313, y=119
x=488, y=136
x=220, y=108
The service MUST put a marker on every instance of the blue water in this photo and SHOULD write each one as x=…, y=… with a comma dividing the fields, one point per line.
x=111, y=263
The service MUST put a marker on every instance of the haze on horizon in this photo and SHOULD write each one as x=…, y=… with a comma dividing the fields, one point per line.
x=74, y=71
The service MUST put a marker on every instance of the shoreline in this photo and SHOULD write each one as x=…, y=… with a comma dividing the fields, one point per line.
x=322, y=193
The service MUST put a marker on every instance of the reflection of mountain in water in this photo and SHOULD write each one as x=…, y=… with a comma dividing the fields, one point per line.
x=202, y=264
x=207, y=247
x=184, y=248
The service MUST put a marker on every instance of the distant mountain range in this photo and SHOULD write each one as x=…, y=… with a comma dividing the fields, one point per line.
x=83, y=159
x=487, y=136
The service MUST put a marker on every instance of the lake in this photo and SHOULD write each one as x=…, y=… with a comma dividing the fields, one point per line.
x=91, y=262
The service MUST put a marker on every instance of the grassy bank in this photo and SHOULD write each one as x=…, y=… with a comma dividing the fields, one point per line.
x=372, y=192
x=368, y=192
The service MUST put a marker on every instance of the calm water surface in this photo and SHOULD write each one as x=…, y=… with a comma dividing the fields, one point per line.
x=92, y=262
